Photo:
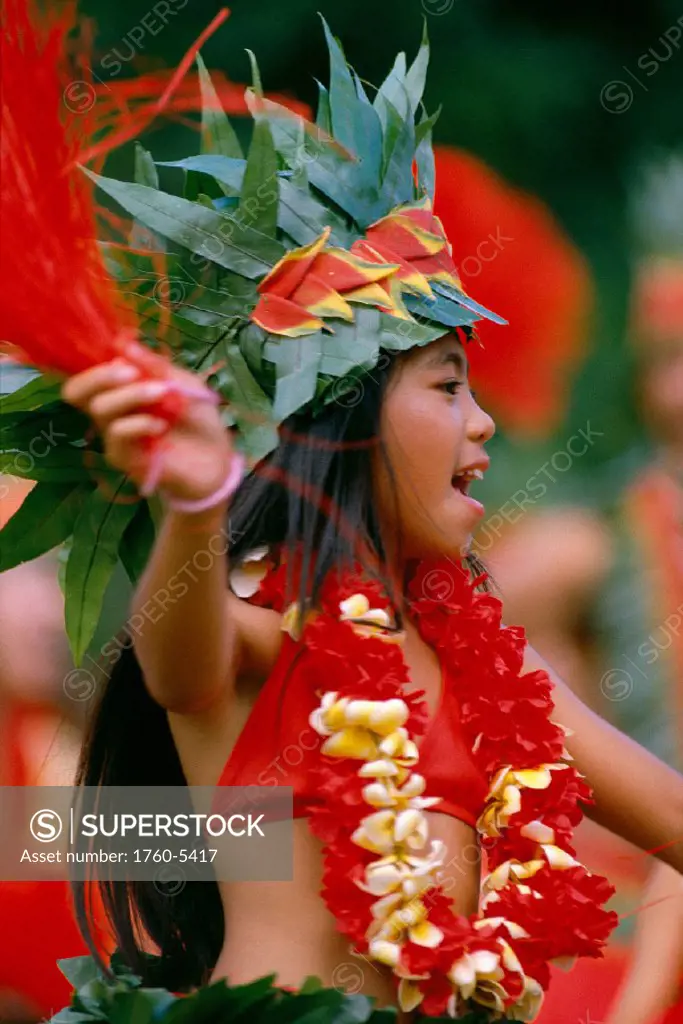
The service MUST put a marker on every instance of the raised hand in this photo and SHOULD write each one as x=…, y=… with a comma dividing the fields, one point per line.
x=195, y=450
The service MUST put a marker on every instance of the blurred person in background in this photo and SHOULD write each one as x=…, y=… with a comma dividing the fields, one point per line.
x=611, y=595
x=40, y=735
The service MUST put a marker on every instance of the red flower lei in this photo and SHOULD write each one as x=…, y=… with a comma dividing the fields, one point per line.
x=539, y=904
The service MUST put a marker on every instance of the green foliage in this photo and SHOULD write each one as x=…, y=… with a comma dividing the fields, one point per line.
x=217, y=134
x=79, y=503
x=123, y=1000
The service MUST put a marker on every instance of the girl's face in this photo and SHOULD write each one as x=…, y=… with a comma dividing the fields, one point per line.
x=434, y=435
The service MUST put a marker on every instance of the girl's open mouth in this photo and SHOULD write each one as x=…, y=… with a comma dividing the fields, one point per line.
x=461, y=482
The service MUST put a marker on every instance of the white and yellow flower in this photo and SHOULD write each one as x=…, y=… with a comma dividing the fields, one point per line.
x=367, y=621
x=504, y=798
x=245, y=578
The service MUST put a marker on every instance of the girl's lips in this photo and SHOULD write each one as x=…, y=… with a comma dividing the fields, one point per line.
x=460, y=489
x=475, y=505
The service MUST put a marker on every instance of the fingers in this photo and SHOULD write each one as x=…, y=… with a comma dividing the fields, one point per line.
x=81, y=388
x=133, y=427
x=110, y=405
x=124, y=446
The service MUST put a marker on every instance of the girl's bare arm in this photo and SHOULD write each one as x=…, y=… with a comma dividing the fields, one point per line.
x=636, y=795
x=656, y=970
x=187, y=643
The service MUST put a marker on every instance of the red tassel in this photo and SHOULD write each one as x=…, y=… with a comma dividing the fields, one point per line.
x=58, y=306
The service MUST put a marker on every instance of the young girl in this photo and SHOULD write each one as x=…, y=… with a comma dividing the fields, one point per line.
x=345, y=644
x=381, y=481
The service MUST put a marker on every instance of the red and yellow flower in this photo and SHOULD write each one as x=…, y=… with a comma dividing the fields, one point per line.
x=400, y=253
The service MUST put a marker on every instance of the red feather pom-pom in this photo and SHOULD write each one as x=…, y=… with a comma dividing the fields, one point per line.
x=60, y=309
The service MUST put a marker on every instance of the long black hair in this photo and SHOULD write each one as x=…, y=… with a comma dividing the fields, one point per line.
x=313, y=493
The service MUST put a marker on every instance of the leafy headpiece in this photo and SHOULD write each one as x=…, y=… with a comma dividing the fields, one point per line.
x=320, y=249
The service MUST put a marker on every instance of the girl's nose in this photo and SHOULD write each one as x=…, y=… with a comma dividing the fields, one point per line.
x=480, y=426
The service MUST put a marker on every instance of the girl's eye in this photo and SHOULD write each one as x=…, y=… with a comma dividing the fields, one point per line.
x=452, y=384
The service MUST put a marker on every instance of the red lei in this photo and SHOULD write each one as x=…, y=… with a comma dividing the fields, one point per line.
x=380, y=878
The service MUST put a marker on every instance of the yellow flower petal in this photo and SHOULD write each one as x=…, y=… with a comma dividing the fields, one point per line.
x=356, y=743
x=377, y=795
x=406, y=823
x=394, y=743
x=376, y=832
x=529, y=1005
x=388, y=716
x=409, y=995
x=491, y=995
x=384, y=881
x=415, y=785
x=538, y=832
x=359, y=712
x=381, y=769
x=290, y=621
x=558, y=859
x=386, y=952
x=246, y=577
x=385, y=906
x=426, y=934
x=354, y=606
x=533, y=778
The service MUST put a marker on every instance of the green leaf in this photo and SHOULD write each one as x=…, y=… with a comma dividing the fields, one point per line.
x=424, y=154
x=93, y=557
x=393, y=93
x=145, y=173
x=251, y=406
x=416, y=75
x=330, y=168
x=79, y=970
x=206, y=1004
x=303, y=217
x=324, y=116
x=217, y=134
x=226, y=170
x=353, y=345
x=255, y=74
x=259, y=196
x=343, y=100
x=137, y=543
x=145, y=170
x=300, y=214
x=44, y=519
x=464, y=301
x=371, y=128
x=311, y=984
x=38, y=392
x=441, y=311
x=399, y=150
x=54, y=425
x=207, y=233
x=298, y=361
x=60, y=465
x=68, y=1016
x=399, y=335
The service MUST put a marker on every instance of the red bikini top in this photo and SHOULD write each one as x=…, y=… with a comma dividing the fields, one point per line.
x=278, y=747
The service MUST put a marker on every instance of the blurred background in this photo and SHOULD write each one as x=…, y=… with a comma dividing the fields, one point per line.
x=560, y=184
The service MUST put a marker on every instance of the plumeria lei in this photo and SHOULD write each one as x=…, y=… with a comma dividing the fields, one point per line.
x=381, y=873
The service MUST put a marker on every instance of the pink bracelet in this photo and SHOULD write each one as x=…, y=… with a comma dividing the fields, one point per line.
x=228, y=487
